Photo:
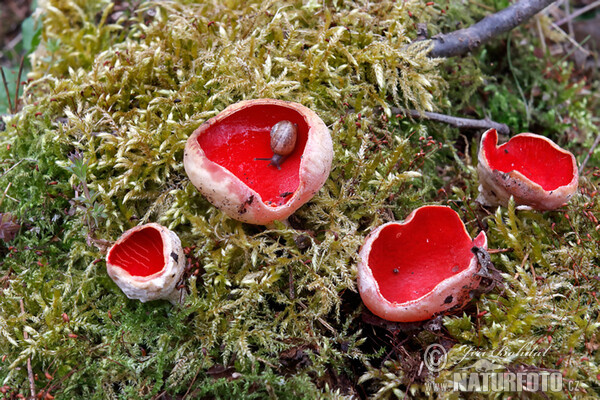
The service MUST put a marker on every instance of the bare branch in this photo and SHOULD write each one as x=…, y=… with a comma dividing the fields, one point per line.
x=589, y=154
x=465, y=40
x=577, y=13
x=461, y=123
x=567, y=5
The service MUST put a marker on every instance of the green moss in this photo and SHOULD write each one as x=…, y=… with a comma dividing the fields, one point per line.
x=267, y=317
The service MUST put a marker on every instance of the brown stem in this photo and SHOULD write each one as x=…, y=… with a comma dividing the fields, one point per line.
x=10, y=108
x=468, y=39
x=291, y=282
x=321, y=320
x=29, y=369
x=589, y=154
x=18, y=84
x=191, y=384
x=461, y=123
x=11, y=168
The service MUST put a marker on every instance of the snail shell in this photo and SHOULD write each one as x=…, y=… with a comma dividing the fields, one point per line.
x=283, y=137
x=283, y=141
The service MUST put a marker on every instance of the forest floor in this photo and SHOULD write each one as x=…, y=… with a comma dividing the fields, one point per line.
x=93, y=143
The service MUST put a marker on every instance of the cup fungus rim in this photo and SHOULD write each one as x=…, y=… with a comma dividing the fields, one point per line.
x=398, y=311
x=534, y=194
x=518, y=173
x=317, y=153
x=125, y=236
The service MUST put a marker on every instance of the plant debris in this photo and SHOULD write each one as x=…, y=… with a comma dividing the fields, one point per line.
x=115, y=90
x=8, y=227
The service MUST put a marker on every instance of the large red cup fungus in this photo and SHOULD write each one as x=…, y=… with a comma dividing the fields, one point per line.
x=225, y=159
x=409, y=271
x=531, y=168
x=147, y=262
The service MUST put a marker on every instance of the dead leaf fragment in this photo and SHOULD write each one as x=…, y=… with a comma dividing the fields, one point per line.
x=8, y=227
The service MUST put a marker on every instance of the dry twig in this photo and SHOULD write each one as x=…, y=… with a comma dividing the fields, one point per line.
x=10, y=108
x=18, y=84
x=465, y=40
x=567, y=4
x=321, y=320
x=589, y=154
x=461, y=123
x=570, y=39
x=577, y=13
x=29, y=369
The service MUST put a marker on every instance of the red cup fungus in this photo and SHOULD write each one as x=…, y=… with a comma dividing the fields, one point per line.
x=531, y=168
x=147, y=262
x=226, y=159
x=411, y=270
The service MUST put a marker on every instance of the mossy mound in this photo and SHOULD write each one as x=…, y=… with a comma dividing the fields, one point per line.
x=115, y=91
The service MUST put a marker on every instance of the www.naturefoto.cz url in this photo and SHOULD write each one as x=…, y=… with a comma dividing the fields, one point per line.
x=504, y=382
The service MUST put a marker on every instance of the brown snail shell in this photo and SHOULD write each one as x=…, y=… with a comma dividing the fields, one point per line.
x=283, y=137
x=283, y=142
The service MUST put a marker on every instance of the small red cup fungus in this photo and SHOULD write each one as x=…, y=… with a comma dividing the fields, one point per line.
x=531, y=168
x=147, y=262
x=411, y=270
x=226, y=158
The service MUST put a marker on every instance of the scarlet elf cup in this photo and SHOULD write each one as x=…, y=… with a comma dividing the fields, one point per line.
x=531, y=168
x=236, y=159
x=147, y=262
x=412, y=270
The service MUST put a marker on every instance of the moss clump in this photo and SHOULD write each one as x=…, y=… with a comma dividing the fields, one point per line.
x=267, y=315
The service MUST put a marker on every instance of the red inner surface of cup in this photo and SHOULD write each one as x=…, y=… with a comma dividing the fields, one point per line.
x=140, y=254
x=535, y=158
x=409, y=260
x=238, y=139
